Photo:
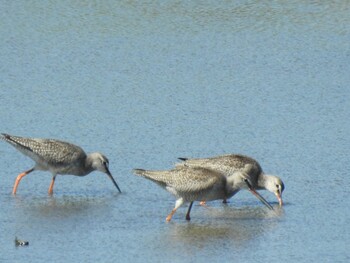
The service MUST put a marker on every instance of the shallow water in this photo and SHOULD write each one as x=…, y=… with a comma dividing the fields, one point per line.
x=147, y=83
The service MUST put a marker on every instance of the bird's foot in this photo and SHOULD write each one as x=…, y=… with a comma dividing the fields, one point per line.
x=168, y=218
x=203, y=203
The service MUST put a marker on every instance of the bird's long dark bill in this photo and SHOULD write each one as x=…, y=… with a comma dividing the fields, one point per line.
x=114, y=182
x=262, y=199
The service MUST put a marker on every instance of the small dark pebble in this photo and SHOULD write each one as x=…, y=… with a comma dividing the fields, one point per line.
x=20, y=243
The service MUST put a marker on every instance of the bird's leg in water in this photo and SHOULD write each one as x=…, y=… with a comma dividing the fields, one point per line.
x=51, y=185
x=188, y=212
x=19, y=178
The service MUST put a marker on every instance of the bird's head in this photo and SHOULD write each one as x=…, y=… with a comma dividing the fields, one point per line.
x=275, y=185
x=100, y=162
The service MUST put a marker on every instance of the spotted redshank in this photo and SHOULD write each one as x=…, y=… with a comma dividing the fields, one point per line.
x=58, y=157
x=190, y=184
x=235, y=164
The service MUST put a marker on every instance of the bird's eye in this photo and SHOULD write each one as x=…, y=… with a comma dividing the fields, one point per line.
x=277, y=186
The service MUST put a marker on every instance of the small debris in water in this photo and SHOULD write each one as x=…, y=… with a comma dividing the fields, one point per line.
x=21, y=243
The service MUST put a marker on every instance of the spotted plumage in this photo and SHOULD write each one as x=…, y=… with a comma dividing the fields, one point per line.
x=58, y=157
x=233, y=165
x=190, y=184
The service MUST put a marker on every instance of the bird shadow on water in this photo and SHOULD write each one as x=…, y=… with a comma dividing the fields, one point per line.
x=31, y=217
x=62, y=205
x=230, y=225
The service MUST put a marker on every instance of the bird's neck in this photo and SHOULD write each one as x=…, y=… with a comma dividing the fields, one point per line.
x=231, y=183
x=262, y=181
x=88, y=165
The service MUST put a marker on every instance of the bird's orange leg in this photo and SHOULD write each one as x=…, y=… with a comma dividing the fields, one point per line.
x=203, y=203
x=178, y=203
x=19, y=177
x=168, y=218
x=51, y=185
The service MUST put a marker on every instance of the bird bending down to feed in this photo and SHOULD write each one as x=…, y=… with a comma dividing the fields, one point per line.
x=233, y=165
x=190, y=184
x=58, y=157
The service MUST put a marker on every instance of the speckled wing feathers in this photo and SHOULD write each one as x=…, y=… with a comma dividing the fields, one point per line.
x=184, y=179
x=49, y=151
x=227, y=164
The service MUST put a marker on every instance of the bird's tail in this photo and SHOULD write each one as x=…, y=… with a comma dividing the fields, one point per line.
x=140, y=172
x=4, y=136
x=158, y=177
x=148, y=173
x=10, y=139
x=182, y=163
x=190, y=162
x=20, y=143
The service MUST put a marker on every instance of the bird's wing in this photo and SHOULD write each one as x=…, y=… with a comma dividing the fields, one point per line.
x=46, y=150
x=184, y=179
x=227, y=164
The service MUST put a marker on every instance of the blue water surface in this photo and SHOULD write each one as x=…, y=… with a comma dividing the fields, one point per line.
x=147, y=82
